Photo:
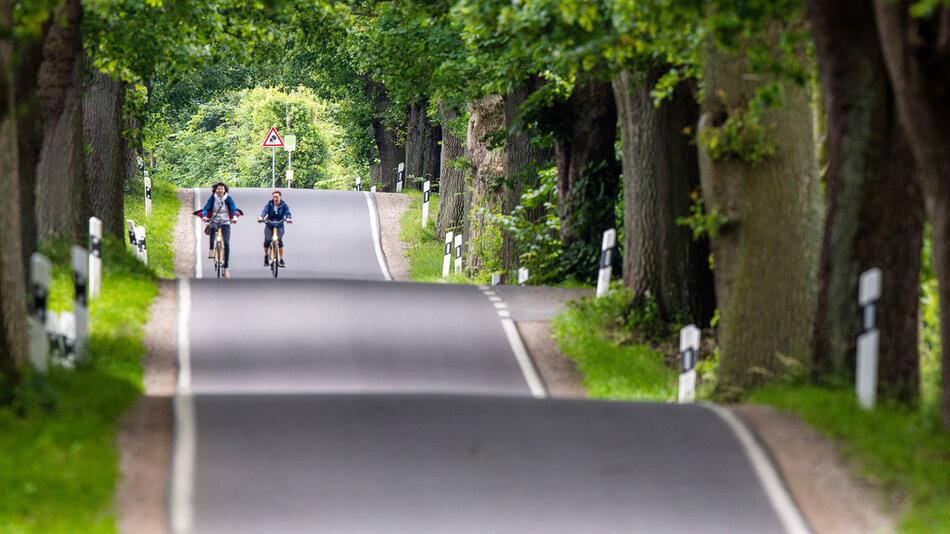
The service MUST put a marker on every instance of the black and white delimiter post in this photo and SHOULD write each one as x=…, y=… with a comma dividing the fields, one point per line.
x=458, y=253
x=869, y=293
x=80, y=259
x=41, y=272
x=400, y=177
x=522, y=276
x=447, y=257
x=426, y=189
x=359, y=183
x=606, y=261
x=148, y=195
x=142, y=243
x=95, y=256
x=689, y=352
x=135, y=246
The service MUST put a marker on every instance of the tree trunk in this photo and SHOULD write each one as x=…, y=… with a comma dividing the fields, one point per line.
x=588, y=174
x=488, y=171
x=390, y=152
x=103, y=102
x=875, y=206
x=523, y=160
x=917, y=54
x=660, y=172
x=451, y=177
x=13, y=310
x=766, y=255
x=62, y=201
x=422, y=147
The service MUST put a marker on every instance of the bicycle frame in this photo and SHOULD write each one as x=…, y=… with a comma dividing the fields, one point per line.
x=218, y=252
x=274, y=252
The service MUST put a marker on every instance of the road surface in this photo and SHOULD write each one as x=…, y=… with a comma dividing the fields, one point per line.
x=331, y=400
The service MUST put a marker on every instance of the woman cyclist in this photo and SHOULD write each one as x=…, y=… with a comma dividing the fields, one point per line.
x=220, y=211
x=275, y=212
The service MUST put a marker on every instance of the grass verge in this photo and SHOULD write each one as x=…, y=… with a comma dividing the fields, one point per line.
x=903, y=451
x=425, y=251
x=597, y=335
x=160, y=226
x=59, y=461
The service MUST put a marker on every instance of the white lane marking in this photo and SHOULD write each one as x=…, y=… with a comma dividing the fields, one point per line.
x=197, y=206
x=769, y=478
x=494, y=298
x=500, y=305
x=524, y=361
x=377, y=244
x=484, y=288
x=183, y=469
x=504, y=314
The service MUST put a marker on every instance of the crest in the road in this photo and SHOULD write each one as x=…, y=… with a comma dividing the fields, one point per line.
x=273, y=139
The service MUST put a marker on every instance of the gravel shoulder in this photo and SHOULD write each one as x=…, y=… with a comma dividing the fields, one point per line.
x=390, y=207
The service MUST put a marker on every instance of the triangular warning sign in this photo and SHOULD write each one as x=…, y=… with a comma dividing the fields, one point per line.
x=273, y=139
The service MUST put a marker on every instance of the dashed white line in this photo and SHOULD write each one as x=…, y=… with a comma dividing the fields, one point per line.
x=535, y=385
x=504, y=314
x=772, y=484
x=500, y=305
x=377, y=244
x=494, y=298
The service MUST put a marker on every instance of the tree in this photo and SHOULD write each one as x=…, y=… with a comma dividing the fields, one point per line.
x=915, y=48
x=488, y=171
x=103, y=121
x=875, y=206
x=451, y=176
x=422, y=145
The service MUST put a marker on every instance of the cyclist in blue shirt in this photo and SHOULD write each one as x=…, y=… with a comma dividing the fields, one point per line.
x=275, y=212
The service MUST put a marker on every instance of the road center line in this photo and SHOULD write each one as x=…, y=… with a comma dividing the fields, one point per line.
x=535, y=385
x=377, y=243
x=183, y=461
x=771, y=482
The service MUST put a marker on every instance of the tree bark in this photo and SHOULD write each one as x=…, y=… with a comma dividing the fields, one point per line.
x=451, y=177
x=875, y=206
x=523, y=160
x=422, y=147
x=488, y=171
x=660, y=172
x=29, y=136
x=588, y=174
x=917, y=56
x=391, y=153
x=13, y=309
x=62, y=203
x=103, y=121
x=766, y=255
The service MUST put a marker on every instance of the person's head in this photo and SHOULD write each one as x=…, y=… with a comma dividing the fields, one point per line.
x=275, y=196
x=219, y=189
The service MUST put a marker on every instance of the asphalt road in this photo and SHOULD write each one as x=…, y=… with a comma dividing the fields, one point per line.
x=344, y=403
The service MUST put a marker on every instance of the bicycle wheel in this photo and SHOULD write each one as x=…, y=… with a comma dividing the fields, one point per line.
x=217, y=261
x=275, y=260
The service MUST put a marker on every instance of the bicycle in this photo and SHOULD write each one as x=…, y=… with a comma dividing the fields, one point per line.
x=218, y=252
x=273, y=252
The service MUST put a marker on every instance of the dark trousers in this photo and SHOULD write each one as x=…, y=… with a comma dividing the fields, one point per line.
x=268, y=233
x=226, y=235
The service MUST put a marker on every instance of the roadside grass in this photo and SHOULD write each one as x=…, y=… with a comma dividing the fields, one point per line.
x=160, y=227
x=425, y=248
x=58, y=455
x=597, y=335
x=905, y=452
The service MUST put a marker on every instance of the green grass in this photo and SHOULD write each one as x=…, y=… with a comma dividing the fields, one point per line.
x=614, y=365
x=903, y=451
x=160, y=227
x=58, y=456
x=425, y=251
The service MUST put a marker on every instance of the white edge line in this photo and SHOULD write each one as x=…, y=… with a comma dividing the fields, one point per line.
x=377, y=243
x=182, y=511
x=524, y=361
x=197, y=201
x=768, y=476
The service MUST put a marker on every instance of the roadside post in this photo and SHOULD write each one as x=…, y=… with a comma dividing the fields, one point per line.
x=447, y=257
x=273, y=141
x=372, y=189
x=95, y=257
x=869, y=293
x=458, y=253
x=359, y=183
x=689, y=351
x=142, y=244
x=400, y=177
x=495, y=279
x=426, y=189
x=132, y=241
x=148, y=195
x=80, y=304
x=41, y=273
x=290, y=144
x=522, y=276
x=606, y=261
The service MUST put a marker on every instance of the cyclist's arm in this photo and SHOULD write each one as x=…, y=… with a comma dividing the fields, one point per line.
x=287, y=215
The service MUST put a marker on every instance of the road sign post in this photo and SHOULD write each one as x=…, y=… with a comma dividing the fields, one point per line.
x=869, y=293
x=95, y=256
x=447, y=257
x=148, y=195
x=458, y=253
x=606, y=261
x=689, y=352
x=426, y=190
x=41, y=272
x=273, y=141
x=80, y=262
x=400, y=177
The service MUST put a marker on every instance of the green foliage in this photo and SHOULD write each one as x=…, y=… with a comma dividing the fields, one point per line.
x=741, y=136
x=616, y=361
x=160, y=227
x=222, y=142
x=59, y=463
x=702, y=223
x=425, y=252
x=902, y=451
x=486, y=243
x=929, y=337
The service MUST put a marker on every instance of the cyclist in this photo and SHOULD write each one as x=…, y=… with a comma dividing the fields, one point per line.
x=275, y=212
x=220, y=211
